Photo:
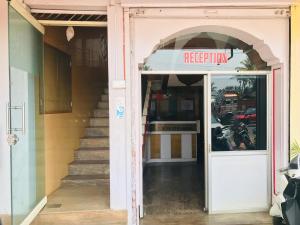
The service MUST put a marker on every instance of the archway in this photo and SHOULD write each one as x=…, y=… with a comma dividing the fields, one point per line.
x=205, y=51
x=248, y=40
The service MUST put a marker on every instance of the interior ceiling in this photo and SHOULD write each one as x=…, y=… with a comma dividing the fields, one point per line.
x=92, y=5
x=69, y=17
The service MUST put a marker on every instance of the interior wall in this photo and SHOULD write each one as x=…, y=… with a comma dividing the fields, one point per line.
x=89, y=77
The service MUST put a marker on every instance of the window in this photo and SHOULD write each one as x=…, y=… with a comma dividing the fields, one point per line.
x=238, y=112
x=57, y=81
x=206, y=51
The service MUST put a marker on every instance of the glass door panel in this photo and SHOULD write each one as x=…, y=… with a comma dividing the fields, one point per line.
x=238, y=157
x=26, y=125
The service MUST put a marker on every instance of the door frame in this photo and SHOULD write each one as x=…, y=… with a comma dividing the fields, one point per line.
x=207, y=131
x=268, y=151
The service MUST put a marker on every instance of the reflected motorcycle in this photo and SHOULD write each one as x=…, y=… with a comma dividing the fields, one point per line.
x=220, y=139
x=241, y=135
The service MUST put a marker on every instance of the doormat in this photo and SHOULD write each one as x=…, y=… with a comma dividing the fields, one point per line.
x=53, y=206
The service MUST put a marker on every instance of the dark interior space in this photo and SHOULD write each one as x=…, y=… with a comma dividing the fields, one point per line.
x=176, y=185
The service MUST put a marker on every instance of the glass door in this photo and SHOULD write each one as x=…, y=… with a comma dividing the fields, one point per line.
x=25, y=125
x=238, y=152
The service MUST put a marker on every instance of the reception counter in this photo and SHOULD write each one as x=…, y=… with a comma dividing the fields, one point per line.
x=172, y=141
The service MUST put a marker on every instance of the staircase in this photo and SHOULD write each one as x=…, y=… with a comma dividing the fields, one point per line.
x=91, y=164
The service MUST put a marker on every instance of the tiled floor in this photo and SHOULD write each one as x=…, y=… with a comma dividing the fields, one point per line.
x=73, y=198
x=173, y=195
x=104, y=217
x=78, y=205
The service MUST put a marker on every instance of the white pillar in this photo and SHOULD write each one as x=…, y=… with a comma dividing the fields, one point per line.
x=117, y=123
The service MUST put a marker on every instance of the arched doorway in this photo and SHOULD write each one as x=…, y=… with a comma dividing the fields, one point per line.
x=264, y=59
x=221, y=83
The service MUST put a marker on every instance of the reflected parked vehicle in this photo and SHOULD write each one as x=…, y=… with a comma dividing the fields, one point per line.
x=249, y=116
x=241, y=135
x=227, y=118
x=220, y=135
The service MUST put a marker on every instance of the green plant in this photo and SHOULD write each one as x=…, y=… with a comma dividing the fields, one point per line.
x=295, y=149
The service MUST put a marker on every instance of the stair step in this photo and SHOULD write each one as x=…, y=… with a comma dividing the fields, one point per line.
x=104, y=97
x=101, y=112
x=86, y=179
x=92, y=154
x=89, y=167
x=99, y=121
x=97, y=131
x=103, y=105
x=94, y=142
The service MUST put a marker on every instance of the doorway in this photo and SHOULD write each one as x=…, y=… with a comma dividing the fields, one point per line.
x=232, y=142
x=174, y=148
x=76, y=119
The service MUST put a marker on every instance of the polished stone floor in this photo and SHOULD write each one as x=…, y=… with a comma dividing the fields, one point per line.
x=174, y=195
x=173, y=188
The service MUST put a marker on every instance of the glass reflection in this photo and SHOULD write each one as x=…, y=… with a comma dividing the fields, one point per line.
x=238, y=112
x=207, y=51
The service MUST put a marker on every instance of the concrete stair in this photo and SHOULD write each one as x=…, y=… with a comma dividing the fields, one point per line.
x=89, y=167
x=92, y=154
x=97, y=131
x=86, y=179
x=91, y=159
x=101, y=113
x=99, y=121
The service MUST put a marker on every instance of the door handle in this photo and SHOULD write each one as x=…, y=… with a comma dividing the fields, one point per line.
x=8, y=129
x=9, y=108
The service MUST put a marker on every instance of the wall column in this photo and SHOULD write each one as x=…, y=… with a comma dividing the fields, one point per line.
x=117, y=123
x=295, y=78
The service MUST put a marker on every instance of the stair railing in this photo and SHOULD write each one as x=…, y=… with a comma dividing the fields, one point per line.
x=145, y=121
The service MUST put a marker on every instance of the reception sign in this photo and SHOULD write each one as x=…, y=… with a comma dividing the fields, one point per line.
x=205, y=57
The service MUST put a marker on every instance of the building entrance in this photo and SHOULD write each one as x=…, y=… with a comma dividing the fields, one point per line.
x=202, y=131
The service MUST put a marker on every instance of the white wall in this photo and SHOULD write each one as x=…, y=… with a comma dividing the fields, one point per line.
x=4, y=98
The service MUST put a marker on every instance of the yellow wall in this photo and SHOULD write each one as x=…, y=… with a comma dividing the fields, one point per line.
x=63, y=130
x=295, y=76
